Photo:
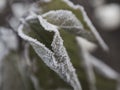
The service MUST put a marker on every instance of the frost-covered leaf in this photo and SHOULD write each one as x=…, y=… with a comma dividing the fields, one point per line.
x=47, y=30
x=89, y=32
x=46, y=41
x=64, y=19
x=47, y=78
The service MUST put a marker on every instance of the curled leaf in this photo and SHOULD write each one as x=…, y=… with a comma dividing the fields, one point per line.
x=55, y=57
x=90, y=32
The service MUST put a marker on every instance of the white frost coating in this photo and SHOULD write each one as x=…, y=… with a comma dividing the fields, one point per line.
x=47, y=26
x=40, y=49
x=55, y=60
x=65, y=68
x=87, y=20
x=66, y=20
x=63, y=19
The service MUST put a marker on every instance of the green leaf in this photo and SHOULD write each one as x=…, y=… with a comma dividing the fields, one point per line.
x=89, y=31
x=56, y=58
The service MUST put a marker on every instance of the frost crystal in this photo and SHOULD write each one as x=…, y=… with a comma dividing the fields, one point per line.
x=63, y=19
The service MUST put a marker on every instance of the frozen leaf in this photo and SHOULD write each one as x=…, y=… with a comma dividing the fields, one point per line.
x=64, y=19
x=67, y=21
x=46, y=41
x=90, y=31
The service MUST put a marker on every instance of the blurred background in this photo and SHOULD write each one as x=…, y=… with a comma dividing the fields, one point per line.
x=105, y=15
